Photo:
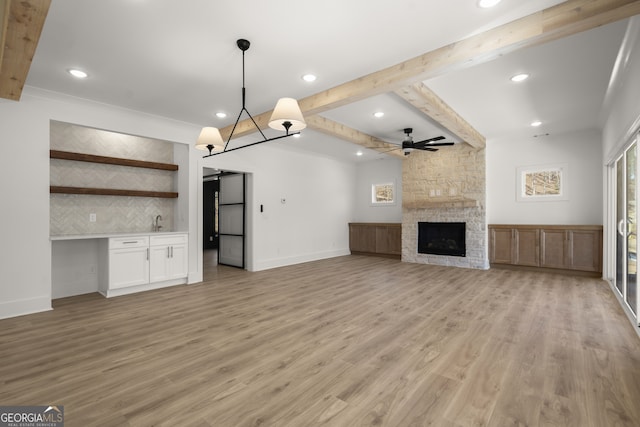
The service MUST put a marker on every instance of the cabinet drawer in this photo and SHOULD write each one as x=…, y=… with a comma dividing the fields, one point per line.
x=168, y=239
x=128, y=242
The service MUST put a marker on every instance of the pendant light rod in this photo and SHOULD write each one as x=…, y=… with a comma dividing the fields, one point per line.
x=285, y=115
x=253, y=143
x=244, y=45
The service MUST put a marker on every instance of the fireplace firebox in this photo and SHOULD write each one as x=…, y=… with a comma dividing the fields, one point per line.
x=442, y=238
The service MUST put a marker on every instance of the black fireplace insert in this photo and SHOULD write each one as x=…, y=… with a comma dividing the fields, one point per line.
x=442, y=238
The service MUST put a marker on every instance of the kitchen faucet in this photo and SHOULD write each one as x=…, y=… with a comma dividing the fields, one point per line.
x=156, y=226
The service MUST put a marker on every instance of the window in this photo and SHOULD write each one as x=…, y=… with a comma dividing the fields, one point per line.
x=383, y=194
x=542, y=183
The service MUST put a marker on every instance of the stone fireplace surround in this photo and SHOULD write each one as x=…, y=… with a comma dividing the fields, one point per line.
x=445, y=186
x=476, y=236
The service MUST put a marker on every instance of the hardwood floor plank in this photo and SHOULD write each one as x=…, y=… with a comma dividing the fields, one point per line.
x=347, y=341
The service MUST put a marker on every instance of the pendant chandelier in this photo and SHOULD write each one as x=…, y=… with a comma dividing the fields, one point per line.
x=286, y=116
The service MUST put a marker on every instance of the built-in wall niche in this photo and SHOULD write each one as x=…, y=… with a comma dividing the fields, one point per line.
x=124, y=193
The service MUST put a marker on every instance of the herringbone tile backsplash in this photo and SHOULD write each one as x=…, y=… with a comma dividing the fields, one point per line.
x=69, y=214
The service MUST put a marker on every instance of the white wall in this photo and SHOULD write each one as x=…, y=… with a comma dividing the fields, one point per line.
x=622, y=104
x=25, y=258
x=622, y=123
x=580, y=150
x=25, y=269
x=311, y=223
x=377, y=172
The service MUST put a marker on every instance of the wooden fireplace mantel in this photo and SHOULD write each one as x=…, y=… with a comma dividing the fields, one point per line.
x=441, y=203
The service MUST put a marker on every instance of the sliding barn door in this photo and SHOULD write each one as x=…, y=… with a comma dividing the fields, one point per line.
x=231, y=220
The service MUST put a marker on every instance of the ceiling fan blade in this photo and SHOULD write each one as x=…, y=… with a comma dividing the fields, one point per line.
x=437, y=144
x=424, y=141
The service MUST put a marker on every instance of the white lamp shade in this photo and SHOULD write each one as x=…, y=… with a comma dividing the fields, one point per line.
x=210, y=136
x=287, y=110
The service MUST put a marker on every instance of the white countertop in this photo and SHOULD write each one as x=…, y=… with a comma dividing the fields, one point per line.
x=108, y=235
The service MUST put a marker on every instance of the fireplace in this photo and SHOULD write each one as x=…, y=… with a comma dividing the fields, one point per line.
x=442, y=238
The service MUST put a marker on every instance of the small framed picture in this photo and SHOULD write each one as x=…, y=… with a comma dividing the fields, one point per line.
x=383, y=194
x=542, y=183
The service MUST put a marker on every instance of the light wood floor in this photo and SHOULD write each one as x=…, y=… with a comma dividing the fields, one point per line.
x=351, y=341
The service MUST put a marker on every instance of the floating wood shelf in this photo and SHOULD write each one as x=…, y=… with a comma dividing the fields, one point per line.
x=80, y=157
x=111, y=192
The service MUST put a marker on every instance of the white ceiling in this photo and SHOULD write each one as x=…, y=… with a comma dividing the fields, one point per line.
x=179, y=60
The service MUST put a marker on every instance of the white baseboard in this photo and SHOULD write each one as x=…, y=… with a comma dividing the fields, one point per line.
x=141, y=288
x=24, y=307
x=298, y=259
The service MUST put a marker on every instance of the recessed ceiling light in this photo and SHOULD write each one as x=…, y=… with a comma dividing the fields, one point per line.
x=359, y=153
x=378, y=114
x=77, y=73
x=536, y=123
x=520, y=77
x=309, y=78
x=221, y=115
x=297, y=135
x=487, y=3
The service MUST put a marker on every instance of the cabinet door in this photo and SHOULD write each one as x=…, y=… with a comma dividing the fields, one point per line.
x=585, y=250
x=362, y=238
x=159, y=263
x=526, y=247
x=553, y=248
x=388, y=240
x=178, y=262
x=128, y=267
x=501, y=245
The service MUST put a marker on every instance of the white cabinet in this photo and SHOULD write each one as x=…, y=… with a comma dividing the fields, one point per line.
x=128, y=262
x=139, y=263
x=168, y=254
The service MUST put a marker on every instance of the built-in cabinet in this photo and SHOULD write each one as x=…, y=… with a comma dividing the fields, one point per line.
x=138, y=263
x=382, y=239
x=168, y=257
x=575, y=248
x=128, y=262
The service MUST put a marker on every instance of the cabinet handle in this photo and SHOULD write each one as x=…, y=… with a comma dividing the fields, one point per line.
x=168, y=252
x=147, y=254
x=129, y=243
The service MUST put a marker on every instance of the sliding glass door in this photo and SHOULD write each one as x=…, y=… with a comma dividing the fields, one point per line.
x=626, y=217
x=621, y=236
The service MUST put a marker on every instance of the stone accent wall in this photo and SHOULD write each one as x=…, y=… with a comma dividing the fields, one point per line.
x=445, y=186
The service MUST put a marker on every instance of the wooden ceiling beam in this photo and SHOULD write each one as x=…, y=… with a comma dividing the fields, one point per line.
x=4, y=23
x=24, y=25
x=425, y=100
x=570, y=17
x=338, y=130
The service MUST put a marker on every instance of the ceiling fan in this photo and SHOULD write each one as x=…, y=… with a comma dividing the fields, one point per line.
x=426, y=145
